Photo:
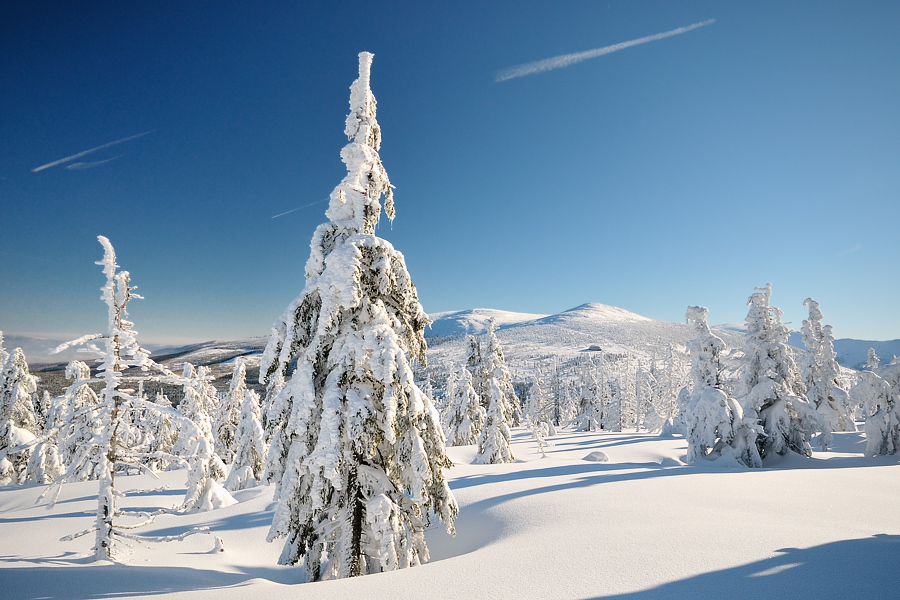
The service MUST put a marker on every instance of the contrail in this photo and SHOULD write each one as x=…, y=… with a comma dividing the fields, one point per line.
x=558, y=62
x=80, y=154
x=87, y=165
x=299, y=207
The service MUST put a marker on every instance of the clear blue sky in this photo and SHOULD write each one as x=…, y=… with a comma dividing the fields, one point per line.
x=762, y=148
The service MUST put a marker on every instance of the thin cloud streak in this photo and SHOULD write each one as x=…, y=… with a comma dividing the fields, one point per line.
x=848, y=251
x=89, y=165
x=558, y=62
x=299, y=207
x=80, y=154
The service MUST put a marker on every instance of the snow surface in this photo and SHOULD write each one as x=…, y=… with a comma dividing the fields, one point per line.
x=642, y=525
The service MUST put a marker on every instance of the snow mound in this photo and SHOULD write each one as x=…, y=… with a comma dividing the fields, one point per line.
x=597, y=456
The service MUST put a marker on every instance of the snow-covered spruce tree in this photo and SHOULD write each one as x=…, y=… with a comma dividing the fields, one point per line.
x=590, y=406
x=494, y=364
x=493, y=443
x=881, y=404
x=770, y=388
x=205, y=468
x=819, y=373
x=465, y=415
x=228, y=415
x=250, y=446
x=539, y=406
x=110, y=431
x=872, y=360
x=714, y=422
x=669, y=377
x=75, y=416
x=273, y=388
x=475, y=365
x=613, y=413
x=41, y=405
x=357, y=449
x=646, y=416
x=44, y=464
x=568, y=406
x=18, y=424
x=539, y=432
x=162, y=433
x=485, y=362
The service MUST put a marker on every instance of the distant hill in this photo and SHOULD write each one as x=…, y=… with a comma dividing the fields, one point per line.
x=587, y=328
x=854, y=353
x=474, y=321
x=525, y=337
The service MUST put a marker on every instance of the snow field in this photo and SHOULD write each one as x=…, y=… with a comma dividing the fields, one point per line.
x=642, y=525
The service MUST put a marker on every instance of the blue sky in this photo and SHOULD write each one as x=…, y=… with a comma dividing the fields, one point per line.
x=688, y=170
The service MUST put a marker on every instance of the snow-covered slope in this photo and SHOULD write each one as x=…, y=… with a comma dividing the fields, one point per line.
x=473, y=321
x=586, y=328
x=642, y=526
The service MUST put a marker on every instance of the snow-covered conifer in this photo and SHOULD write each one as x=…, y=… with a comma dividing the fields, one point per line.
x=41, y=405
x=44, y=465
x=357, y=449
x=646, y=416
x=539, y=405
x=714, y=422
x=494, y=365
x=819, y=373
x=494, y=441
x=273, y=388
x=206, y=469
x=670, y=380
x=18, y=423
x=250, y=446
x=770, y=388
x=228, y=415
x=872, y=360
x=112, y=442
x=705, y=350
x=539, y=432
x=613, y=413
x=590, y=406
x=465, y=415
x=75, y=416
x=882, y=408
x=162, y=432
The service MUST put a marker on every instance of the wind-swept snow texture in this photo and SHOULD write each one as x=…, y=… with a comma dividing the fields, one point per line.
x=641, y=526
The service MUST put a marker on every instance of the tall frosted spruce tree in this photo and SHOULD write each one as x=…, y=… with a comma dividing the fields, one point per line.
x=357, y=450
x=819, y=371
x=770, y=387
x=714, y=422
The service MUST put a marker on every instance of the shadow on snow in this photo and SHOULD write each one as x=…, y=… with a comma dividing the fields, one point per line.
x=58, y=582
x=860, y=568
